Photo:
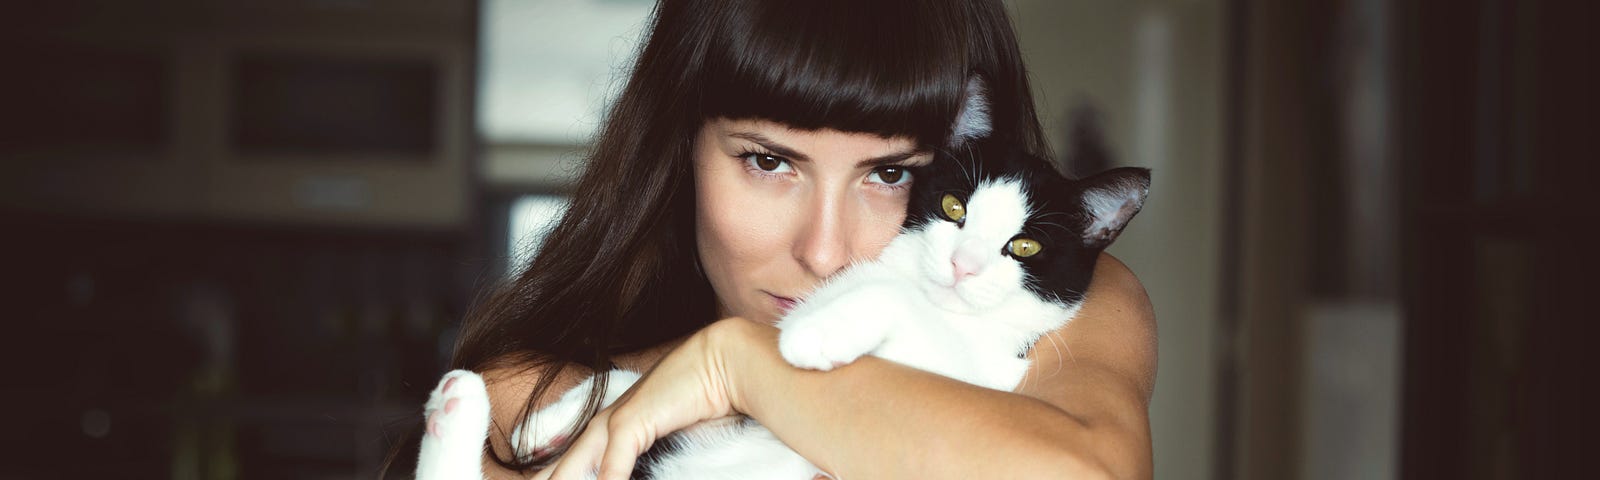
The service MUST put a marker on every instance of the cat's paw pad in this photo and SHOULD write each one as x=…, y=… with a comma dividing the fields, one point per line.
x=809, y=346
x=457, y=420
x=458, y=410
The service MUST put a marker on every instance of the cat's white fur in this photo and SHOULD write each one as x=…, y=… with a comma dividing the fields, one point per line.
x=907, y=306
x=457, y=415
x=972, y=122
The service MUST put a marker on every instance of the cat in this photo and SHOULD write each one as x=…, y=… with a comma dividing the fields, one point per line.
x=997, y=250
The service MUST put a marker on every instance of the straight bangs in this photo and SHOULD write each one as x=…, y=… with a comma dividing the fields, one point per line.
x=894, y=68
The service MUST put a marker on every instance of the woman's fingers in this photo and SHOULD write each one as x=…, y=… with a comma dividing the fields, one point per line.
x=609, y=442
x=626, y=442
x=686, y=387
x=545, y=473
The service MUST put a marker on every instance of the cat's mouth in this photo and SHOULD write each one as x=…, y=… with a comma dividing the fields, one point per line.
x=946, y=296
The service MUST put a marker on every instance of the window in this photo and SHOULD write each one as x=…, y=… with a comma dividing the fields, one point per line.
x=532, y=217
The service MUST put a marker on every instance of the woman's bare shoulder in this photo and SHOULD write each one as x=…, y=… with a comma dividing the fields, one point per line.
x=1112, y=337
x=509, y=386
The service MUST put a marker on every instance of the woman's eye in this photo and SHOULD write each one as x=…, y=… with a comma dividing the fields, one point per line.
x=767, y=163
x=892, y=176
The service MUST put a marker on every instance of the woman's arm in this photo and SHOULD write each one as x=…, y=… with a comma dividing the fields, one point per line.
x=1082, y=413
x=1081, y=410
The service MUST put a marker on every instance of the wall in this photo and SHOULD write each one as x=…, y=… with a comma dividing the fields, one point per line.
x=1155, y=70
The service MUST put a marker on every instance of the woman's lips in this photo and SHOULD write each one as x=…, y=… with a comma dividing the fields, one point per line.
x=785, y=304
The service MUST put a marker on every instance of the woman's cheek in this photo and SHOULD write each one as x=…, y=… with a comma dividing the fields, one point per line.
x=740, y=229
x=750, y=214
x=888, y=213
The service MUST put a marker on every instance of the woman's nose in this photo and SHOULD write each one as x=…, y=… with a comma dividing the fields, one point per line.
x=824, y=245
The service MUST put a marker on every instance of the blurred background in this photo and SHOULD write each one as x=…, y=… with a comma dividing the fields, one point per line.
x=240, y=234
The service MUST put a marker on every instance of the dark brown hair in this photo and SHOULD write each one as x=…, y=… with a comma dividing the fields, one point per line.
x=617, y=273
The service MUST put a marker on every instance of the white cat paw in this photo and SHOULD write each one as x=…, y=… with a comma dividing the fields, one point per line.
x=457, y=417
x=812, y=345
x=458, y=407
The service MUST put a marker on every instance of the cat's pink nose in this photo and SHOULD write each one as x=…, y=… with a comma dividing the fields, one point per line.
x=964, y=267
x=962, y=271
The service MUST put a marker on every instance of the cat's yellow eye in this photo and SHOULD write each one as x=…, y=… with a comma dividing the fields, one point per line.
x=953, y=209
x=1023, y=247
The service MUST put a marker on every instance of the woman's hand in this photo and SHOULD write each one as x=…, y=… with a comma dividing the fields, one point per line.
x=688, y=386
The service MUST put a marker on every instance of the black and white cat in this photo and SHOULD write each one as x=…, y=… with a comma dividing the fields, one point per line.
x=998, y=250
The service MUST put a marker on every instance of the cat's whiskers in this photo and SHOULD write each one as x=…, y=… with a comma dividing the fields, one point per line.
x=1027, y=378
x=977, y=167
x=965, y=172
x=1057, y=225
x=1051, y=214
x=1059, y=344
x=1041, y=220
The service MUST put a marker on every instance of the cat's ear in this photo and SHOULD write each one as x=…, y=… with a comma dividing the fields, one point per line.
x=973, y=121
x=1110, y=199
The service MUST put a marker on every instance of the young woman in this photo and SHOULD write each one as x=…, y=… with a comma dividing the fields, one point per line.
x=757, y=149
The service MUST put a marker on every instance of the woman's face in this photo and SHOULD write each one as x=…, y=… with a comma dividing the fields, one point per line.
x=779, y=209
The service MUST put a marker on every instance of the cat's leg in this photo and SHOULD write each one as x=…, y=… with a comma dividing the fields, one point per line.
x=457, y=416
x=548, y=427
x=840, y=329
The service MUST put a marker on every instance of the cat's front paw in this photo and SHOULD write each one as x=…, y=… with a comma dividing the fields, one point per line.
x=458, y=408
x=457, y=418
x=816, y=346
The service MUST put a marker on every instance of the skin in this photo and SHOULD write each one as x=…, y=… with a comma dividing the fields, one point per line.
x=826, y=203
x=1082, y=411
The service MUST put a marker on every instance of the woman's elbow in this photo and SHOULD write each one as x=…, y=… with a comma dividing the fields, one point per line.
x=1068, y=463
x=1107, y=456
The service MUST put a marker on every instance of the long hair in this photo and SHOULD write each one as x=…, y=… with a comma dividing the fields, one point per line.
x=618, y=272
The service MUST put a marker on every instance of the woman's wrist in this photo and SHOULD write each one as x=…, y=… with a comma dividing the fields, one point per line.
x=745, y=351
x=643, y=360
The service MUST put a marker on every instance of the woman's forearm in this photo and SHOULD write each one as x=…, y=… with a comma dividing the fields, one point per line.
x=882, y=420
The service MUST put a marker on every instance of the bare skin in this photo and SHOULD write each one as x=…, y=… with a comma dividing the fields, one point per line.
x=1081, y=410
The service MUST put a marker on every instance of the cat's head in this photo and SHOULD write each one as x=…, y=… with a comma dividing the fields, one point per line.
x=986, y=234
x=991, y=218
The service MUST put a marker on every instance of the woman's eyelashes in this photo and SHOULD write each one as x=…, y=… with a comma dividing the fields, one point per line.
x=890, y=176
x=766, y=165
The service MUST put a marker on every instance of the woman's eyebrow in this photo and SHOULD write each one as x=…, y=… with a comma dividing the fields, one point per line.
x=772, y=145
x=892, y=158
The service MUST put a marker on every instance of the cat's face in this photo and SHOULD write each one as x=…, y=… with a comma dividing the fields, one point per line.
x=998, y=225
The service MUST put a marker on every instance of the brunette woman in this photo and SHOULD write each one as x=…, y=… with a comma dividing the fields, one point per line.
x=759, y=147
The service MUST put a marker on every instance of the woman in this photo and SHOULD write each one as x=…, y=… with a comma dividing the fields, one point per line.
x=755, y=151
